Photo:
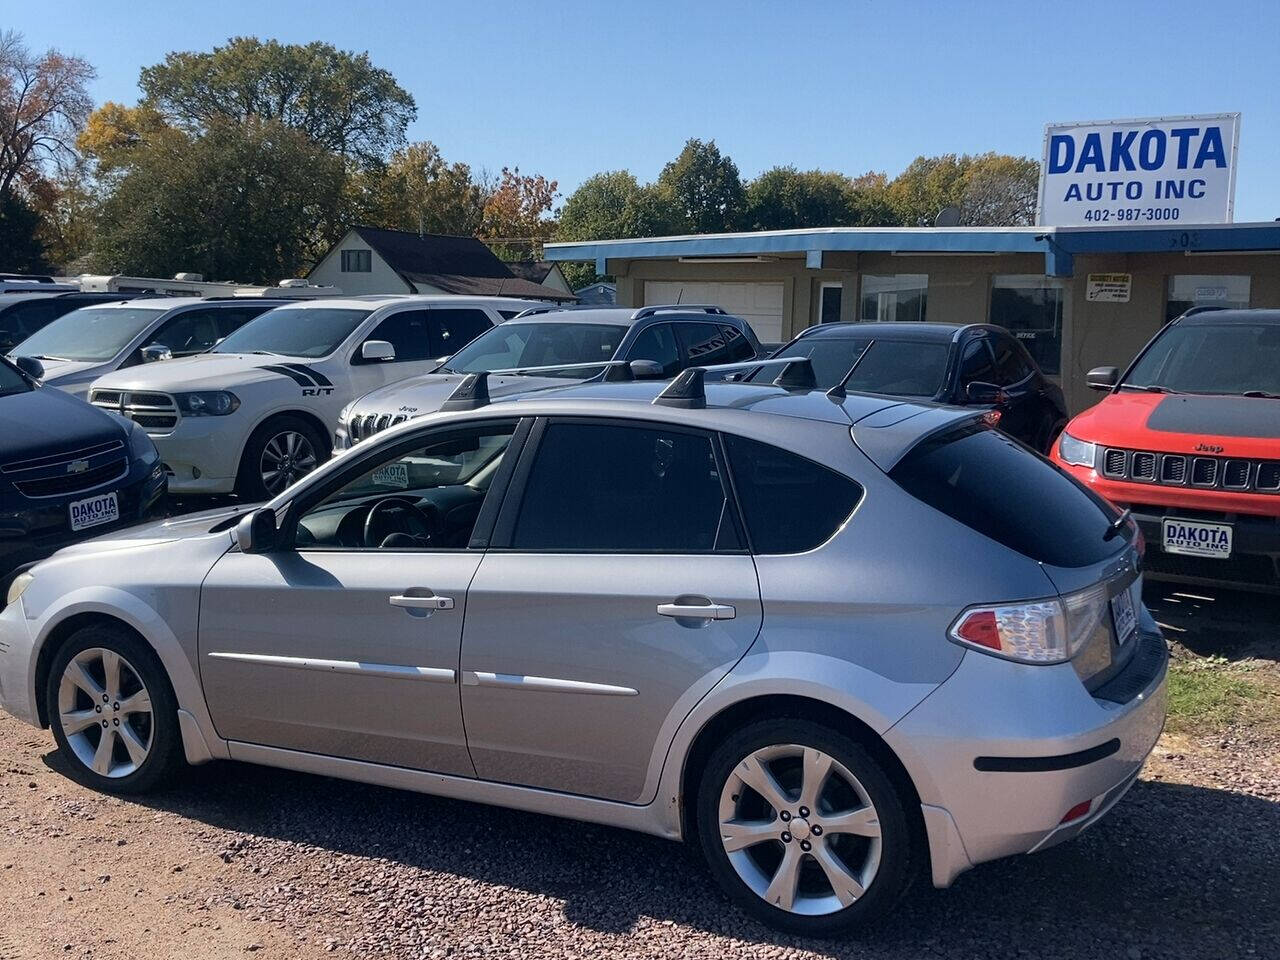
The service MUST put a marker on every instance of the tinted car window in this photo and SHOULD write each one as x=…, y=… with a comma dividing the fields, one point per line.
x=994, y=486
x=1011, y=367
x=452, y=329
x=11, y=381
x=407, y=331
x=789, y=504
x=231, y=320
x=510, y=346
x=295, y=331
x=21, y=320
x=193, y=331
x=89, y=333
x=977, y=364
x=739, y=347
x=657, y=343
x=1212, y=358
x=708, y=343
x=619, y=489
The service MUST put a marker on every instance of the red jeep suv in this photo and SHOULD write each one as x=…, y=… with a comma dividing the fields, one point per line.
x=1188, y=438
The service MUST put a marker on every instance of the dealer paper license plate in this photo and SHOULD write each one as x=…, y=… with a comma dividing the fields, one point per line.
x=94, y=511
x=1196, y=539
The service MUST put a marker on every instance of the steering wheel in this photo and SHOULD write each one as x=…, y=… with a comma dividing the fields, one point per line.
x=401, y=522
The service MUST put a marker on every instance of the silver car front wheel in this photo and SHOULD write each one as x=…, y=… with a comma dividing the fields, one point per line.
x=104, y=710
x=288, y=456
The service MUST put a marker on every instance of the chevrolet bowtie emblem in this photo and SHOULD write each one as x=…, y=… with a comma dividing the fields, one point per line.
x=77, y=466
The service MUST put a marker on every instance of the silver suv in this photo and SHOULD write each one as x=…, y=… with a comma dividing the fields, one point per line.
x=809, y=632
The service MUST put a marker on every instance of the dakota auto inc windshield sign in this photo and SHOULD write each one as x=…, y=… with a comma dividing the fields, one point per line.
x=1164, y=170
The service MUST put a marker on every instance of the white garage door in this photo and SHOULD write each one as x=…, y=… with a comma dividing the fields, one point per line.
x=760, y=304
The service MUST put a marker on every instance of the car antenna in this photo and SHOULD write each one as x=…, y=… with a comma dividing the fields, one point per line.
x=617, y=372
x=797, y=375
x=1117, y=524
x=838, y=392
x=688, y=390
x=472, y=393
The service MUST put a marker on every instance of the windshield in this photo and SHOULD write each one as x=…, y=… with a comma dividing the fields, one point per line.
x=295, y=332
x=899, y=368
x=90, y=333
x=511, y=345
x=11, y=381
x=1231, y=358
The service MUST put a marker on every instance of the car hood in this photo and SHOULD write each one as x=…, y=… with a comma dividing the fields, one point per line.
x=207, y=371
x=1183, y=423
x=163, y=531
x=46, y=421
x=426, y=393
x=57, y=372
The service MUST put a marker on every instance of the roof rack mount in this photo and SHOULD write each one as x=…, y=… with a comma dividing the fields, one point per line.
x=679, y=308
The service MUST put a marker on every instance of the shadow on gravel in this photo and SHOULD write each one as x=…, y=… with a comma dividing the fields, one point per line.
x=1217, y=623
x=1173, y=871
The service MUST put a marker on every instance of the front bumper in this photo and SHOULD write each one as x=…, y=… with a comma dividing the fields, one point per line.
x=16, y=663
x=1001, y=752
x=202, y=454
x=41, y=526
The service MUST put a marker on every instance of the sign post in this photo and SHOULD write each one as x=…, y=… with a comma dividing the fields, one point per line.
x=1163, y=170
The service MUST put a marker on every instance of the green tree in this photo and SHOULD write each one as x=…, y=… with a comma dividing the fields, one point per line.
x=420, y=191
x=785, y=198
x=337, y=98
x=704, y=189
x=600, y=208
x=255, y=201
x=989, y=189
x=20, y=248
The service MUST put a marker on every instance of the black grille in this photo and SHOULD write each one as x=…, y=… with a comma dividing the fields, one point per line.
x=1204, y=471
x=73, y=482
x=1176, y=469
x=1173, y=470
x=150, y=400
x=55, y=459
x=1113, y=463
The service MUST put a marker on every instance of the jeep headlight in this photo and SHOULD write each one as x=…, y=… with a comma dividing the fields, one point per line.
x=16, y=587
x=1076, y=452
x=212, y=403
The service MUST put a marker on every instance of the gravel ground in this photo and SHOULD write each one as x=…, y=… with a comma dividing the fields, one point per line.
x=240, y=859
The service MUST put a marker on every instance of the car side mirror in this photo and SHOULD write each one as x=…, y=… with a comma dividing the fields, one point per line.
x=155, y=353
x=1102, y=378
x=32, y=367
x=646, y=369
x=257, y=531
x=377, y=350
x=980, y=392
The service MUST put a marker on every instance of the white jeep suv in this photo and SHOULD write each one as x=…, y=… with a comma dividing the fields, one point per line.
x=253, y=415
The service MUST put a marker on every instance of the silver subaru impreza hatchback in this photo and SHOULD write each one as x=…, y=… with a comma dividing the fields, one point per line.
x=832, y=640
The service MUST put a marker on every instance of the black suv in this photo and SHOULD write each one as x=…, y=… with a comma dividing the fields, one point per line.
x=68, y=471
x=974, y=364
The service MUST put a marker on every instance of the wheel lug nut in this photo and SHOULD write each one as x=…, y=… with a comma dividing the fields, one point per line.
x=117, y=721
x=116, y=705
x=804, y=811
x=106, y=698
x=817, y=830
x=105, y=724
x=785, y=816
x=97, y=709
x=804, y=845
x=786, y=837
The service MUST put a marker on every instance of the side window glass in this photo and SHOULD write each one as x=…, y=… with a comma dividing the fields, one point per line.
x=707, y=343
x=658, y=343
x=789, y=504
x=738, y=346
x=1010, y=367
x=425, y=498
x=605, y=488
x=409, y=331
x=229, y=321
x=977, y=365
x=452, y=329
x=192, y=332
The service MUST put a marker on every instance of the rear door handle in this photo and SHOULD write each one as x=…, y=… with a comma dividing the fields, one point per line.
x=706, y=611
x=422, y=603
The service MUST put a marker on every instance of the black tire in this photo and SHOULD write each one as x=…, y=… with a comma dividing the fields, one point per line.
x=249, y=483
x=895, y=871
x=164, y=756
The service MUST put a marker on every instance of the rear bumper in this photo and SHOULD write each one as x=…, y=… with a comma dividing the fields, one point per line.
x=1001, y=752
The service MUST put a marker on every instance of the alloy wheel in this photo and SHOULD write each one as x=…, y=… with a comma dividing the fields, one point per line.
x=799, y=829
x=286, y=457
x=104, y=709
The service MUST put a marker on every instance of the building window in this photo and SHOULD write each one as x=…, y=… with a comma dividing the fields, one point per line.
x=1203, y=290
x=829, y=297
x=1030, y=307
x=898, y=297
x=357, y=261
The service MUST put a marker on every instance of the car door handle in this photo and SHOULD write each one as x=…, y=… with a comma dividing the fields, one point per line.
x=422, y=603
x=700, y=611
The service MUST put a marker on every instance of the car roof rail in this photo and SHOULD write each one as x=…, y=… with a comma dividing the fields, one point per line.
x=471, y=394
x=687, y=390
x=680, y=308
x=554, y=308
x=534, y=311
x=797, y=375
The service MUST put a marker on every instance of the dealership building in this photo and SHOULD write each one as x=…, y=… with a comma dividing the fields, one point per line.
x=1077, y=297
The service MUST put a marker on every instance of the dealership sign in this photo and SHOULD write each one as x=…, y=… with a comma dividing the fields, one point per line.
x=1124, y=172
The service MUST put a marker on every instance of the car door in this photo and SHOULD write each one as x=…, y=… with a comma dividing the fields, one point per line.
x=657, y=342
x=346, y=642
x=617, y=591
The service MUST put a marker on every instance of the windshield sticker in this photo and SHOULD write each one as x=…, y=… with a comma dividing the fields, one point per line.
x=392, y=475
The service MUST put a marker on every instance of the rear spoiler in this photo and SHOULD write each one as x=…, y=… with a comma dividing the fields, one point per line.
x=889, y=434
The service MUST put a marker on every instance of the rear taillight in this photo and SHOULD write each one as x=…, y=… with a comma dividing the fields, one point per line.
x=1042, y=631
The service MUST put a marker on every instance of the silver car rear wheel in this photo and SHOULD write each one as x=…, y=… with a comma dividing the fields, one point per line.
x=105, y=713
x=799, y=829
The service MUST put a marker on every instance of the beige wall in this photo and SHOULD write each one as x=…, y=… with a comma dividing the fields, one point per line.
x=1094, y=334
x=381, y=279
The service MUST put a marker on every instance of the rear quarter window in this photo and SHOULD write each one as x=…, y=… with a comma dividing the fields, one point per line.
x=993, y=485
x=790, y=504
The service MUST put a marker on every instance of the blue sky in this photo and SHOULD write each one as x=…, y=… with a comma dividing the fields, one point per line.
x=571, y=88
